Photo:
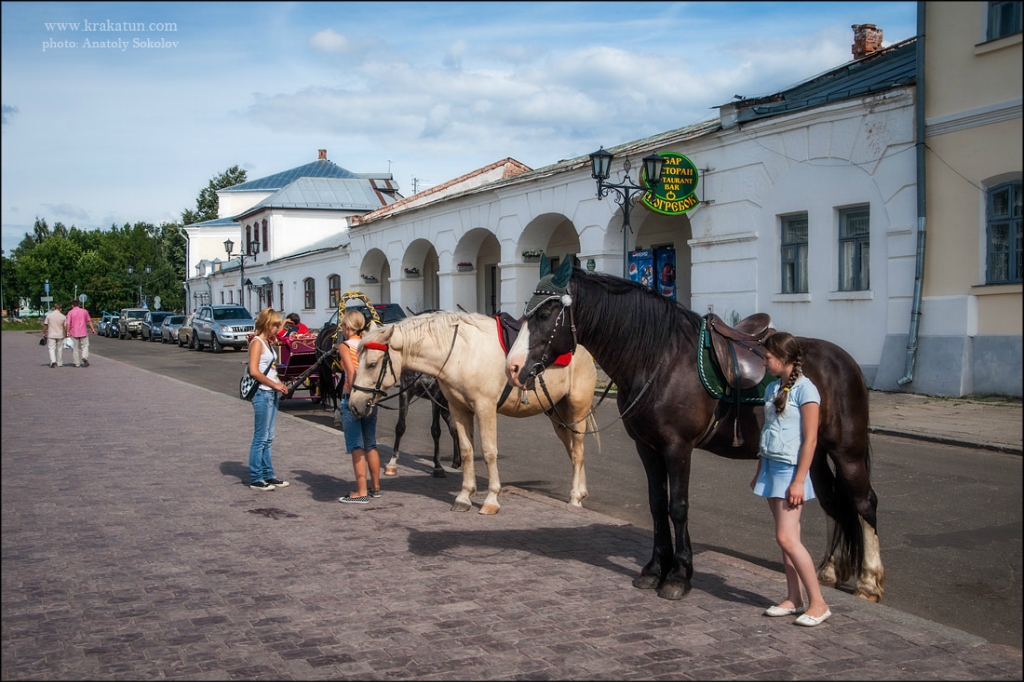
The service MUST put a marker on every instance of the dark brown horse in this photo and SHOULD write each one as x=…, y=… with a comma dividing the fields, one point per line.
x=648, y=345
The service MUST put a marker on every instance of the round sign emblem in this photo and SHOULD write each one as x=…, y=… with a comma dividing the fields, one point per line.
x=675, y=193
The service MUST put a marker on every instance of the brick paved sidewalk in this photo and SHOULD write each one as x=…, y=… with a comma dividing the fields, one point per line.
x=136, y=552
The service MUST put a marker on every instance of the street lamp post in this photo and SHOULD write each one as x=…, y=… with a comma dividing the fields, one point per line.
x=250, y=251
x=148, y=270
x=627, y=192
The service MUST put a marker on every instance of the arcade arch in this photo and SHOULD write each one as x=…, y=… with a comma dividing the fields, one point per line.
x=476, y=290
x=651, y=231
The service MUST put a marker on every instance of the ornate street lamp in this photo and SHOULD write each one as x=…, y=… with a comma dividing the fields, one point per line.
x=131, y=271
x=251, y=250
x=627, y=192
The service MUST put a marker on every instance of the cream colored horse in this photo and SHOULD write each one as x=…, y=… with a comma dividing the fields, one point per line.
x=463, y=351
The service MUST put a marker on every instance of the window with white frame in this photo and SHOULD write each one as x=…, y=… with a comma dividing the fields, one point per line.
x=794, y=254
x=1004, y=18
x=280, y=295
x=854, y=249
x=222, y=298
x=333, y=290
x=309, y=291
x=266, y=242
x=1003, y=218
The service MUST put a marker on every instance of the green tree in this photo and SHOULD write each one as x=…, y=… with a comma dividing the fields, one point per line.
x=206, y=203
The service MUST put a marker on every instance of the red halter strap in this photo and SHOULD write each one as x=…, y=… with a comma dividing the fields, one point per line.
x=372, y=345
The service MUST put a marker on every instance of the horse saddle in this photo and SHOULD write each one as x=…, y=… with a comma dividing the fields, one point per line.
x=508, y=332
x=736, y=348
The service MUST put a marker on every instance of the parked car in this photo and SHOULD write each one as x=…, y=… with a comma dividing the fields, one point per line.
x=104, y=323
x=388, y=313
x=169, y=329
x=150, y=328
x=113, y=327
x=131, y=322
x=221, y=326
x=185, y=332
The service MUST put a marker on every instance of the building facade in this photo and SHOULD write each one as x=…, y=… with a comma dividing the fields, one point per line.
x=808, y=210
x=971, y=308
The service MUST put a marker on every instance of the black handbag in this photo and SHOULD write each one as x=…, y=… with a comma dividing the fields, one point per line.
x=247, y=386
x=42, y=341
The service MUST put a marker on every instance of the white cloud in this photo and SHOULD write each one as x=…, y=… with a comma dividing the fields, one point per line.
x=332, y=42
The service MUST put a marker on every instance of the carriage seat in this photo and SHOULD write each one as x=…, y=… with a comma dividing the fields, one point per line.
x=736, y=348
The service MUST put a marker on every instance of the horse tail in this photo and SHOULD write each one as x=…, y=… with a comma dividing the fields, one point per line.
x=846, y=546
x=593, y=429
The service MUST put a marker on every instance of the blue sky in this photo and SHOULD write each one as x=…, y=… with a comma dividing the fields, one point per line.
x=134, y=125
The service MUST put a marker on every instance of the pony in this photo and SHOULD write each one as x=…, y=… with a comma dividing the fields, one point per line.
x=464, y=352
x=648, y=345
x=413, y=386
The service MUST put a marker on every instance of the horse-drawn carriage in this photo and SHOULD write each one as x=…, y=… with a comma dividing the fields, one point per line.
x=297, y=356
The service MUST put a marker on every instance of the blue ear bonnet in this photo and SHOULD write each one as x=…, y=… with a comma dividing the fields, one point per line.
x=552, y=285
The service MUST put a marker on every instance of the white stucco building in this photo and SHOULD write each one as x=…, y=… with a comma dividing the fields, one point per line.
x=807, y=212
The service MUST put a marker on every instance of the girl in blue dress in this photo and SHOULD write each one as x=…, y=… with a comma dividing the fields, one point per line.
x=788, y=441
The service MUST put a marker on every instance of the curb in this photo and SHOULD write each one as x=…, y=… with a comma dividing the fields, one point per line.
x=946, y=440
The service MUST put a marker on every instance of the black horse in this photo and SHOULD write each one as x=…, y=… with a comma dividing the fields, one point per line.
x=413, y=386
x=648, y=345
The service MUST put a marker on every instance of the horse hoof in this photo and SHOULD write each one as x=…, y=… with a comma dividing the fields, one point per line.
x=390, y=470
x=440, y=473
x=460, y=506
x=868, y=597
x=674, y=589
x=646, y=582
x=489, y=509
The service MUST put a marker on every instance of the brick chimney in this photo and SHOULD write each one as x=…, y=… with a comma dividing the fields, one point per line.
x=323, y=152
x=867, y=38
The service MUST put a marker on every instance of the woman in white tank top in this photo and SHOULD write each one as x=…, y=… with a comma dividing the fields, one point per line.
x=264, y=403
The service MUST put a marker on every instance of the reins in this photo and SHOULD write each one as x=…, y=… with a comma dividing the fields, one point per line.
x=389, y=364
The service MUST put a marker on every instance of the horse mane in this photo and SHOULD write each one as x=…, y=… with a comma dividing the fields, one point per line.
x=436, y=326
x=633, y=328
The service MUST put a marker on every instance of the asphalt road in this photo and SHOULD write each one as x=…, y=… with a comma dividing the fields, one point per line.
x=949, y=517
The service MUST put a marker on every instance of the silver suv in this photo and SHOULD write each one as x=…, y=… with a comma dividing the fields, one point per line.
x=130, y=324
x=221, y=326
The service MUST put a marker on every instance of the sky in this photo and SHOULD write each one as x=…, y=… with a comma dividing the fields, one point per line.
x=123, y=112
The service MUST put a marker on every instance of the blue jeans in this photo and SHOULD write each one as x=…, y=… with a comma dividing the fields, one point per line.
x=359, y=433
x=264, y=407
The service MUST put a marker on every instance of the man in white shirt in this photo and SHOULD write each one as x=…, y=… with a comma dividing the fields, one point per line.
x=53, y=332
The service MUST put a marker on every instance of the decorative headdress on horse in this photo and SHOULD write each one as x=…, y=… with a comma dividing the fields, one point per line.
x=552, y=285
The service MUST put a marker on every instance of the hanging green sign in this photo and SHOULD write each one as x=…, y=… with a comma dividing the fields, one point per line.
x=674, y=195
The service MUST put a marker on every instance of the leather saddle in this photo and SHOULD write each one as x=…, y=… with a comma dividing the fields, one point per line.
x=736, y=348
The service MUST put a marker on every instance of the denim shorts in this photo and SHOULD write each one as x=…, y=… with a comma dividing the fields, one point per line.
x=775, y=478
x=359, y=433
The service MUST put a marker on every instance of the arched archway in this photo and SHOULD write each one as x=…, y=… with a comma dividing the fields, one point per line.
x=653, y=231
x=419, y=288
x=475, y=287
x=375, y=276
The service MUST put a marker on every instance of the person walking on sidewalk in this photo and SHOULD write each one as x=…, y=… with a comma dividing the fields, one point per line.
x=788, y=440
x=78, y=324
x=53, y=332
x=360, y=434
x=264, y=403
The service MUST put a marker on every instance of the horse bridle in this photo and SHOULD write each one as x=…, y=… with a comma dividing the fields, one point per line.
x=385, y=366
x=388, y=364
x=542, y=363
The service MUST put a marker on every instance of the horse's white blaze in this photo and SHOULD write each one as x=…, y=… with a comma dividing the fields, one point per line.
x=517, y=356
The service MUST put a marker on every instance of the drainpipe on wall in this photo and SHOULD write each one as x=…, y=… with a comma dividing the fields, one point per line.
x=915, y=310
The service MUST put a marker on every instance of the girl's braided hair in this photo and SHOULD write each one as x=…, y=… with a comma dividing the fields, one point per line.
x=786, y=348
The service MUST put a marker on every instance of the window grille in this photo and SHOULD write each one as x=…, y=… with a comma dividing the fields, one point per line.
x=854, y=249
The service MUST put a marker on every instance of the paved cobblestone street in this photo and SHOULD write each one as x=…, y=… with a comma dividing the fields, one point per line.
x=130, y=552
